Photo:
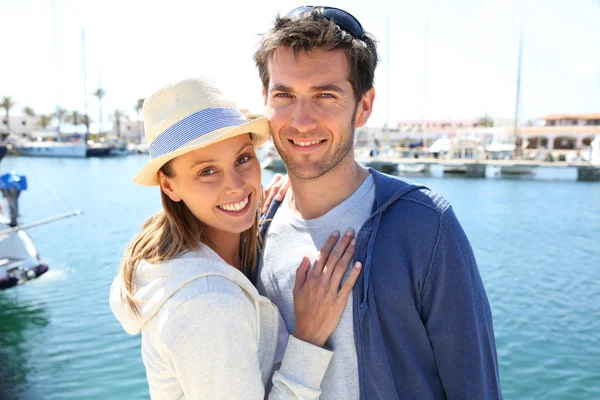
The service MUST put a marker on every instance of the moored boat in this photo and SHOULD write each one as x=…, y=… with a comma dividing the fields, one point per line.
x=52, y=149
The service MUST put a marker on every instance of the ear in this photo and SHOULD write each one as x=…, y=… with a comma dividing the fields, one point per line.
x=365, y=107
x=168, y=187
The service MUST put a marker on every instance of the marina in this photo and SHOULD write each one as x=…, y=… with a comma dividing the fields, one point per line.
x=537, y=255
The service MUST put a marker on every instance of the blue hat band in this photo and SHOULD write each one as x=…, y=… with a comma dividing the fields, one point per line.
x=194, y=126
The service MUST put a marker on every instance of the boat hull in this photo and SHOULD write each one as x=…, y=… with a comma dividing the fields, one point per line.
x=19, y=259
x=75, y=150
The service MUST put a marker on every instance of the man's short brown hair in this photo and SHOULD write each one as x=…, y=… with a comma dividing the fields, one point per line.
x=312, y=30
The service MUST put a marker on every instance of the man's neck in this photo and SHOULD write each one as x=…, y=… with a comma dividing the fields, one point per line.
x=313, y=198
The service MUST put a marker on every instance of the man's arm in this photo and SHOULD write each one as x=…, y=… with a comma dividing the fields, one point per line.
x=457, y=316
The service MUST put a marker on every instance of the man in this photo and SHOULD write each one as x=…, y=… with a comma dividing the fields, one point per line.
x=419, y=324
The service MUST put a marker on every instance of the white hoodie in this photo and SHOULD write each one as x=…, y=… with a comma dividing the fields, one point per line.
x=208, y=334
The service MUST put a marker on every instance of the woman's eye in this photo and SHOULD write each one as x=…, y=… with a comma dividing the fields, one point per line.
x=207, y=172
x=243, y=159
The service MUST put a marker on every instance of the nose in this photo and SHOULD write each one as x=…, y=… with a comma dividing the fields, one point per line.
x=303, y=119
x=234, y=181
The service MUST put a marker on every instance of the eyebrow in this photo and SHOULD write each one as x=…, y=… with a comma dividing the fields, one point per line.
x=329, y=87
x=198, y=162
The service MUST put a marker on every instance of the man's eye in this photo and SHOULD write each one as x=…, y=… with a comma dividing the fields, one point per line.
x=243, y=159
x=207, y=172
x=327, y=95
x=282, y=95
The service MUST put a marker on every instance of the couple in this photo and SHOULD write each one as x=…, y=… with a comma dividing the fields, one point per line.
x=392, y=305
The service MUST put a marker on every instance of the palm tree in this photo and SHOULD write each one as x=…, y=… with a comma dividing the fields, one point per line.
x=485, y=121
x=29, y=112
x=45, y=120
x=100, y=93
x=60, y=115
x=74, y=118
x=118, y=114
x=7, y=104
x=138, y=109
x=85, y=120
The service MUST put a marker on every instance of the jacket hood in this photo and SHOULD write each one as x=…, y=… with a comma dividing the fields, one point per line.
x=389, y=189
x=156, y=283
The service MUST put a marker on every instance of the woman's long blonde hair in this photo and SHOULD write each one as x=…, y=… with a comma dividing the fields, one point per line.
x=173, y=230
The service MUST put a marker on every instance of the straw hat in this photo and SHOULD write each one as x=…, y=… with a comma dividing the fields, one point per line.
x=187, y=115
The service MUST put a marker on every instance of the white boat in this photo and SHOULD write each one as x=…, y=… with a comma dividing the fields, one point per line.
x=595, y=151
x=19, y=259
x=501, y=148
x=412, y=168
x=52, y=149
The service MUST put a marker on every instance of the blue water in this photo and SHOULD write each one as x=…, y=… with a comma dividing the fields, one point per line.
x=537, y=244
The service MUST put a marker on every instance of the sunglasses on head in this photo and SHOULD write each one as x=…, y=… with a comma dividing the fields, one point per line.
x=343, y=19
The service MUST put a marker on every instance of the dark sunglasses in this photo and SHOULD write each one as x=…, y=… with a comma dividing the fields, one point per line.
x=343, y=19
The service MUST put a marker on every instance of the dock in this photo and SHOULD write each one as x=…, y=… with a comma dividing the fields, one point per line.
x=581, y=171
x=471, y=168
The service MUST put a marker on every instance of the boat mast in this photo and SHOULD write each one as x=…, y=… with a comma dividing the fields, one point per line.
x=425, y=54
x=53, y=6
x=387, y=74
x=518, y=153
x=85, y=98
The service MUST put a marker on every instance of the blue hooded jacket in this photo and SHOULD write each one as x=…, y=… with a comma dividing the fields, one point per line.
x=422, y=321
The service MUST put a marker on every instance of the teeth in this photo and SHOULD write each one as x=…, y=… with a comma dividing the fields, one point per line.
x=235, y=206
x=303, y=144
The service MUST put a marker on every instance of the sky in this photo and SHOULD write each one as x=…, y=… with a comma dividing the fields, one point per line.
x=453, y=59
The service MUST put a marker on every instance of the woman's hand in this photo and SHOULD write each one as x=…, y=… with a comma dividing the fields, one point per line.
x=276, y=189
x=318, y=299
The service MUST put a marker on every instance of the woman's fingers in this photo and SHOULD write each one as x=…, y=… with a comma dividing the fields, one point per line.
x=301, y=274
x=337, y=254
x=323, y=255
x=342, y=266
x=271, y=190
x=349, y=284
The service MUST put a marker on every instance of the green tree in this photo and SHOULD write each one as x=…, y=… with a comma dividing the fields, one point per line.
x=138, y=110
x=86, y=121
x=74, y=118
x=29, y=112
x=60, y=116
x=485, y=121
x=45, y=120
x=99, y=93
x=117, y=115
x=7, y=104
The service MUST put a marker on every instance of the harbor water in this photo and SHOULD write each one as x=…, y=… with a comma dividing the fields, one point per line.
x=537, y=244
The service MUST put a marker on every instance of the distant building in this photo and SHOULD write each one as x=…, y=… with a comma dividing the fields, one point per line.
x=131, y=130
x=20, y=125
x=422, y=125
x=592, y=119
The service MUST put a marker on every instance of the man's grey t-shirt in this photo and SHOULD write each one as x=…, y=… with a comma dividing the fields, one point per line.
x=288, y=240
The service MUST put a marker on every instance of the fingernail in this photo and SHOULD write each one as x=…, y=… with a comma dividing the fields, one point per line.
x=353, y=242
x=349, y=233
x=335, y=234
x=357, y=264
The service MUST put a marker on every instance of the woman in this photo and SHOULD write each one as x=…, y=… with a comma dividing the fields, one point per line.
x=206, y=332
